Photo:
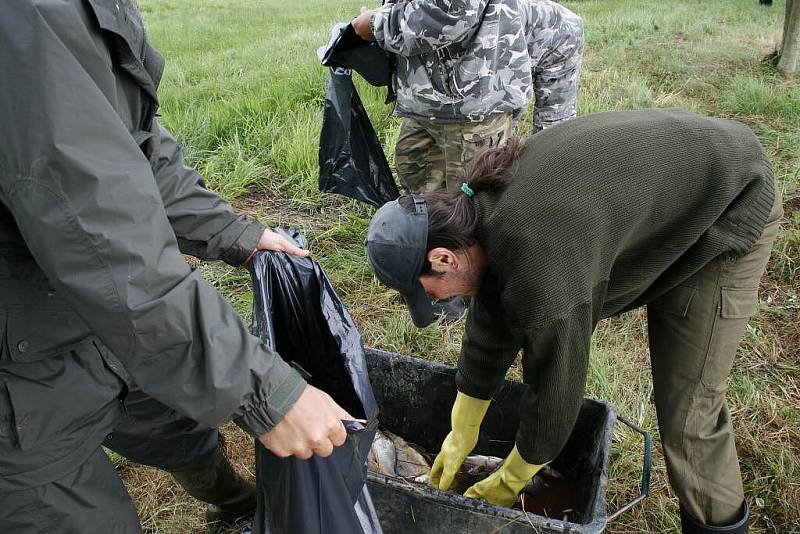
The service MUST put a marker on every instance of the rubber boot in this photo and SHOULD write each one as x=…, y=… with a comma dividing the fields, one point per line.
x=214, y=481
x=690, y=525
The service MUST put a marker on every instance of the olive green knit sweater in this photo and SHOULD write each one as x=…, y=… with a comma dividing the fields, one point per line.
x=603, y=214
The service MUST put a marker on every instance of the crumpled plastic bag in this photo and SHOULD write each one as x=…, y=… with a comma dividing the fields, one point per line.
x=351, y=160
x=347, y=50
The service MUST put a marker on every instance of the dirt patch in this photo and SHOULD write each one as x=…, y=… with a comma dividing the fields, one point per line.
x=274, y=209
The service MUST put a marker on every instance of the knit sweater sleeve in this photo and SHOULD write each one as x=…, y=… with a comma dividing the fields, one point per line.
x=554, y=367
x=488, y=349
x=555, y=357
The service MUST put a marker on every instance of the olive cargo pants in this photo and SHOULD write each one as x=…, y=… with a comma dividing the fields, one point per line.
x=694, y=332
x=430, y=156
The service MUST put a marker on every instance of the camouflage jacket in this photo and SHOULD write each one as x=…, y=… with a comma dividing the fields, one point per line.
x=463, y=60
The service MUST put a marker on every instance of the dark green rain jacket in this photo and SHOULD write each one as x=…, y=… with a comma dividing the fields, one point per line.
x=96, y=207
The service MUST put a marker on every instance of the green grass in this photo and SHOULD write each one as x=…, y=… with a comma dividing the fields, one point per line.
x=244, y=93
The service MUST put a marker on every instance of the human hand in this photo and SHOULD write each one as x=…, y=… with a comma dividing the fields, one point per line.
x=362, y=24
x=465, y=421
x=502, y=487
x=270, y=240
x=312, y=426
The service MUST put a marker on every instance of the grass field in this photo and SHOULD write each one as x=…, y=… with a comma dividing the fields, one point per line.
x=244, y=93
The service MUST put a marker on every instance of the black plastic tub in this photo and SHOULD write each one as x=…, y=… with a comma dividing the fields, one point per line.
x=415, y=397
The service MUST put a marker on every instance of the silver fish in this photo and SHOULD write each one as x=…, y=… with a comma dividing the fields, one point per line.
x=410, y=463
x=382, y=455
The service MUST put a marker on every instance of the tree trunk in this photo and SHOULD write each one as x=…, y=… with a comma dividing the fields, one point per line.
x=787, y=16
x=790, y=44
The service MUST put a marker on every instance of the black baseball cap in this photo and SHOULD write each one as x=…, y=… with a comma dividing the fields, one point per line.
x=396, y=243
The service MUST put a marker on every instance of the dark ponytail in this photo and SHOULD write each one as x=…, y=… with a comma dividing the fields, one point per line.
x=490, y=170
x=451, y=214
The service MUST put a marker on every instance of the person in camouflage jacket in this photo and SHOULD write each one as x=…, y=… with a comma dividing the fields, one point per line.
x=466, y=69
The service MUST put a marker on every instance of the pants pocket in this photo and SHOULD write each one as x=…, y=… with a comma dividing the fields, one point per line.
x=492, y=132
x=675, y=302
x=735, y=308
x=738, y=303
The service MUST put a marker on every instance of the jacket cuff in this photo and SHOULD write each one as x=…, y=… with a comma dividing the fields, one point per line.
x=264, y=412
x=244, y=245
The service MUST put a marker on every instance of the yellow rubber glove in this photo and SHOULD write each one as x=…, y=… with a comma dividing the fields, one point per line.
x=465, y=422
x=502, y=487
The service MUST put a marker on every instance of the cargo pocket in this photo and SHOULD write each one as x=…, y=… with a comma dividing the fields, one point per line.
x=490, y=133
x=736, y=307
x=33, y=333
x=738, y=303
x=60, y=402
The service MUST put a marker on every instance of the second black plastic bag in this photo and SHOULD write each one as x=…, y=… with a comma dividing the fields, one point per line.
x=351, y=159
x=297, y=312
x=348, y=50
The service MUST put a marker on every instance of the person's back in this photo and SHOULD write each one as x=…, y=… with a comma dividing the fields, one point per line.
x=636, y=200
x=458, y=65
x=476, y=67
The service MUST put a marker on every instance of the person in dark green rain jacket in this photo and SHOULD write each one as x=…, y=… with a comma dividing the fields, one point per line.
x=106, y=333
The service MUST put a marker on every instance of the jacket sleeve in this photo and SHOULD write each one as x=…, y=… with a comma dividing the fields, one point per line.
x=414, y=27
x=86, y=203
x=556, y=46
x=205, y=225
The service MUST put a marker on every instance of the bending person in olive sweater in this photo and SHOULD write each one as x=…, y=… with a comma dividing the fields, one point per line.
x=585, y=220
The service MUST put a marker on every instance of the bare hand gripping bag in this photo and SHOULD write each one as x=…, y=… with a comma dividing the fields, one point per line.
x=297, y=312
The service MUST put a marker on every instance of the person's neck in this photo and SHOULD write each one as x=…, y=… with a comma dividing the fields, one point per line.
x=475, y=259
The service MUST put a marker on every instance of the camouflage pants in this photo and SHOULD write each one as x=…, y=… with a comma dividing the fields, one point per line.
x=431, y=156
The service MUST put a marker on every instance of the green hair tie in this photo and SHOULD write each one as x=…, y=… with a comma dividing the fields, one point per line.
x=467, y=190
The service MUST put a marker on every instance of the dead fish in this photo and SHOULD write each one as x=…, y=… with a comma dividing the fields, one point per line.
x=410, y=463
x=372, y=462
x=384, y=454
x=478, y=463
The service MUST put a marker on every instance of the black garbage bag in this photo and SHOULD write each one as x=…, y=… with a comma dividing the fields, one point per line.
x=297, y=313
x=347, y=50
x=351, y=159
